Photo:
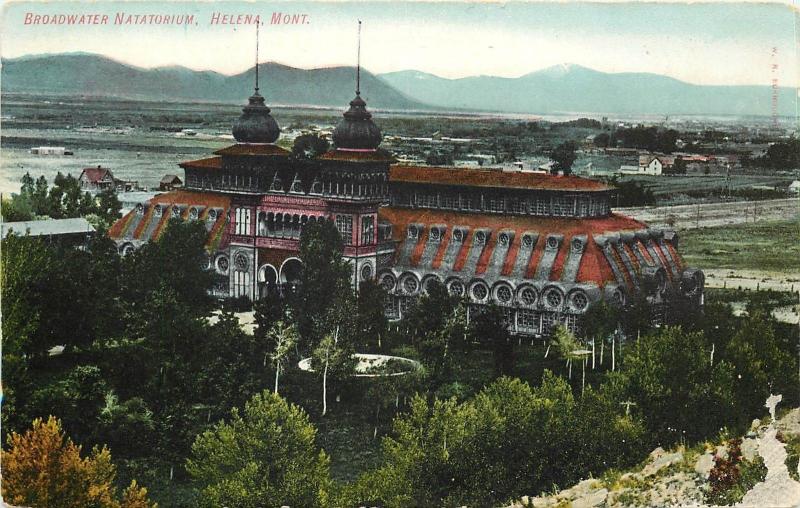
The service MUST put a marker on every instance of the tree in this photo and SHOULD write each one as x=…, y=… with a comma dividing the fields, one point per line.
x=762, y=367
x=782, y=155
x=565, y=344
x=124, y=426
x=490, y=327
x=599, y=322
x=680, y=394
x=263, y=456
x=602, y=140
x=309, y=146
x=678, y=167
x=267, y=311
x=508, y=441
x=372, y=323
x=175, y=264
x=76, y=398
x=436, y=325
x=43, y=468
x=17, y=208
x=325, y=276
x=283, y=338
x=564, y=156
x=333, y=357
x=108, y=208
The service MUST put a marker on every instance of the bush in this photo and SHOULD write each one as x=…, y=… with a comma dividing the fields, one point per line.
x=509, y=440
x=264, y=456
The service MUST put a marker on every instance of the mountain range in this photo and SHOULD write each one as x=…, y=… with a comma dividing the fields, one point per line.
x=95, y=75
x=558, y=89
x=572, y=88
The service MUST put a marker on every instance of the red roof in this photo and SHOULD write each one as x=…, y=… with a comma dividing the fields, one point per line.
x=401, y=217
x=209, y=163
x=492, y=178
x=357, y=156
x=94, y=175
x=149, y=226
x=253, y=149
x=593, y=266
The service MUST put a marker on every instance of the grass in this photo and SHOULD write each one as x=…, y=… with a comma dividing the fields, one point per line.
x=792, y=455
x=667, y=186
x=768, y=246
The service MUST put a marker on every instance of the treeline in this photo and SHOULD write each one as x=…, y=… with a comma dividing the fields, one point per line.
x=154, y=369
x=652, y=139
x=63, y=200
x=781, y=156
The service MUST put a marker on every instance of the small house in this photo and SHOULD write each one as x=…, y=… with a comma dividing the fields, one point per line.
x=97, y=179
x=170, y=182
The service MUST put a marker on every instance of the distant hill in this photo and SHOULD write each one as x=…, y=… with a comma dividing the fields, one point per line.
x=572, y=88
x=89, y=74
x=558, y=89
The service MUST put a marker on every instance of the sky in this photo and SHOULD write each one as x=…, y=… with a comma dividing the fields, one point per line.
x=705, y=43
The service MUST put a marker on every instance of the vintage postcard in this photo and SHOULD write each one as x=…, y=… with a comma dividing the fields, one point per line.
x=399, y=254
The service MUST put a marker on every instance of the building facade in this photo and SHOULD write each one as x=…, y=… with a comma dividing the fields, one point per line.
x=542, y=247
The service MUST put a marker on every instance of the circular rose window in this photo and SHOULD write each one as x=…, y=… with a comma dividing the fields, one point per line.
x=456, y=288
x=527, y=296
x=193, y=214
x=387, y=282
x=504, y=294
x=480, y=292
x=504, y=238
x=552, y=243
x=410, y=285
x=222, y=264
x=366, y=272
x=458, y=235
x=579, y=300
x=480, y=237
x=553, y=298
x=240, y=261
x=435, y=234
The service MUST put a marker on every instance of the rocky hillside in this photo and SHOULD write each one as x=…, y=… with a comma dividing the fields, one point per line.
x=759, y=470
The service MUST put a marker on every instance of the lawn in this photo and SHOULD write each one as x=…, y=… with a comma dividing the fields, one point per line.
x=768, y=246
x=666, y=186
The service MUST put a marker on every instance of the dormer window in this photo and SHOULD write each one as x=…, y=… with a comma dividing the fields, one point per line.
x=527, y=241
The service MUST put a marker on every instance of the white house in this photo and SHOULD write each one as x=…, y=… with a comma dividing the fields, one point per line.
x=794, y=187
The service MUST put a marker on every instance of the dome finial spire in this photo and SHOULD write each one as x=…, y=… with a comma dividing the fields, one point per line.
x=257, y=56
x=358, y=62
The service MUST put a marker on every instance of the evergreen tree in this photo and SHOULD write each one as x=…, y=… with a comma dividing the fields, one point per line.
x=264, y=456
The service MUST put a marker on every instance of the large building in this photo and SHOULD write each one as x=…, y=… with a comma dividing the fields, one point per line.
x=542, y=247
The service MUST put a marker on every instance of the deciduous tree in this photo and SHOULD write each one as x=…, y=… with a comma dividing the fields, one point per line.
x=265, y=455
x=44, y=468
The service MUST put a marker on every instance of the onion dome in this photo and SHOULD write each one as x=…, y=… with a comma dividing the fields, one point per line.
x=357, y=131
x=256, y=125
